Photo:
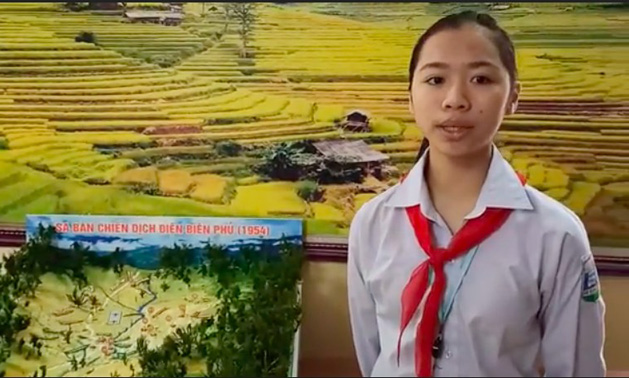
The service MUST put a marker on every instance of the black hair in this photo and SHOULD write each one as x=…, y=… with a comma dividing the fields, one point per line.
x=499, y=37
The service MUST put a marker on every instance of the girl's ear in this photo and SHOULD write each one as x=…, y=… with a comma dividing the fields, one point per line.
x=512, y=105
x=410, y=103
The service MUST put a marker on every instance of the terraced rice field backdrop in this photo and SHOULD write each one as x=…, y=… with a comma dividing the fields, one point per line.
x=173, y=120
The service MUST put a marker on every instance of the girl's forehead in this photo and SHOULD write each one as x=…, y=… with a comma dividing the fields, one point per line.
x=467, y=42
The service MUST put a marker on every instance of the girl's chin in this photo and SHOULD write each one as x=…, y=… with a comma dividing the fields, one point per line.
x=459, y=149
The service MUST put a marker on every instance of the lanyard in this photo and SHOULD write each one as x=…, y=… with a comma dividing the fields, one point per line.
x=452, y=287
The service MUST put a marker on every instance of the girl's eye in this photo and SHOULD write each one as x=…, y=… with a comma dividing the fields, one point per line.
x=481, y=80
x=435, y=80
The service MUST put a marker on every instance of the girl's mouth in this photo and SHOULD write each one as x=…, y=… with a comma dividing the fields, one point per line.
x=454, y=132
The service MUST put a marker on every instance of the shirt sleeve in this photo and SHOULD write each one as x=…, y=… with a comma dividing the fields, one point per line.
x=362, y=308
x=573, y=310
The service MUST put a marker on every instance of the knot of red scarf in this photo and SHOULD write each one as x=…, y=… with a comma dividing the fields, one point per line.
x=438, y=260
x=472, y=234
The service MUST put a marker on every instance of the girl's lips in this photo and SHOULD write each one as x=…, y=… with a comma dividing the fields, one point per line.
x=454, y=133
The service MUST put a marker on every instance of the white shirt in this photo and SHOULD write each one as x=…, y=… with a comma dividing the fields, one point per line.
x=521, y=307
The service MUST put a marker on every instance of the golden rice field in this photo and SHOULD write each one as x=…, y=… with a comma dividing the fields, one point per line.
x=131, y=124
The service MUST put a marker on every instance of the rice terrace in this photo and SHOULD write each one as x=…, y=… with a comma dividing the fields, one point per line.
x=287, y=109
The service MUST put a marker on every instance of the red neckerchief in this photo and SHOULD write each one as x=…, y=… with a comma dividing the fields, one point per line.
x=472, y=234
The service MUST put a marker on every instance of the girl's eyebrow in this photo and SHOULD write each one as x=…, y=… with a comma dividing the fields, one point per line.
x=475, y=64
x=481, y=63
x=434, y=65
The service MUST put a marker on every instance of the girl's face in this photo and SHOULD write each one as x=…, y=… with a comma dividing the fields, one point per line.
x=461, y=91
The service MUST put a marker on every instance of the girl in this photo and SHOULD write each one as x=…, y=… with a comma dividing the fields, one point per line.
x=462, y=269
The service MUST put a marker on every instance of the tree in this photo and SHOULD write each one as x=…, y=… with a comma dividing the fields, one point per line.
x=245, y=15
x=106, y=5
x=228, y=148
x=285, y=161
x=185, y=340
x=176, y=262
x=165, y=286
x=76, y=6
x=74, y=363
x=85, y=36
x=227, y=12
x=36, y=344
x=161, y=362
x=118, y=260
x=309, y=191
x=41, y=372
x=67, y=334
x=94, y=302
x=11, y=322
x=78, y=298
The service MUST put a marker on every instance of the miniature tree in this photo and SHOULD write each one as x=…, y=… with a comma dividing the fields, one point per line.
x=94, y=302
x=41, y=372
x=74, y=363
x=67, y=334
x=36, y=344
x=78, y=298
x=176, y=262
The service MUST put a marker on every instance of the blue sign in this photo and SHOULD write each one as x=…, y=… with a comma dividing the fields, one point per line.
x=142, y=237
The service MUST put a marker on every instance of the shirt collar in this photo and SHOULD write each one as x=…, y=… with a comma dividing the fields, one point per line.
x=502, y=189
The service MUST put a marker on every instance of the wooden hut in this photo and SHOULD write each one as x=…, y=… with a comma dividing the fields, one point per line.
x=356, y=121
x=156, y=17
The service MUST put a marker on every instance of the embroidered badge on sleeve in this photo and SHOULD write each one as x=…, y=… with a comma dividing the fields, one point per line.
x=590, y=288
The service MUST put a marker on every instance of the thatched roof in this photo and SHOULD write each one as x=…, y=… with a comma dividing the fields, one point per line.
x=349, y=151
x=357, y=115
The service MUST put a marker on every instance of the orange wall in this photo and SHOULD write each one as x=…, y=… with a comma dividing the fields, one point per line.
x=326, y=348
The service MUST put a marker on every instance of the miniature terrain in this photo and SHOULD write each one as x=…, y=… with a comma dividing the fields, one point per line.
x=92, y=331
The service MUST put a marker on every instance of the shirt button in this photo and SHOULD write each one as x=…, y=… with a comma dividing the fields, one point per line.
x=448, y=354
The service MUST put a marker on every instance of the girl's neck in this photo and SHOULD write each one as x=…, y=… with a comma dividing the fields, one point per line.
x=459, y=177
